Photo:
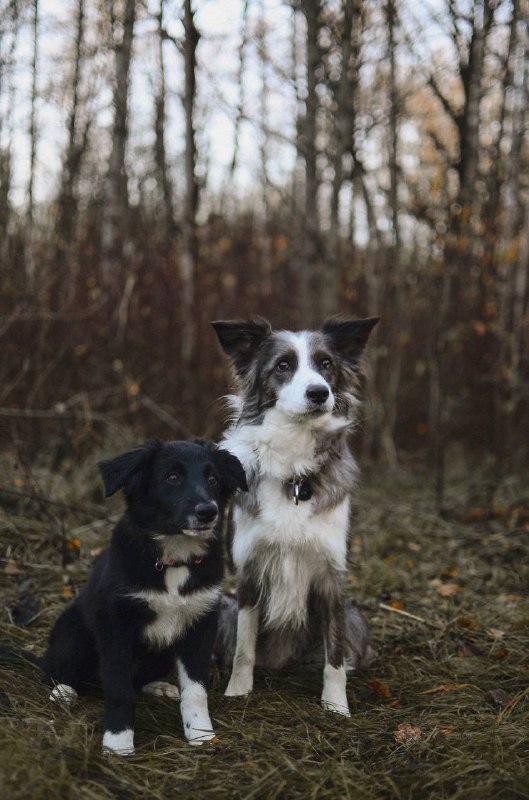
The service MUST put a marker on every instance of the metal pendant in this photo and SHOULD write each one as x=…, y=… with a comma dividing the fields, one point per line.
x=301, y=490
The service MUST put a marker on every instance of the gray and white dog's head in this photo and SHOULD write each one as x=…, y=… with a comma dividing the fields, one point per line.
x=308, y=376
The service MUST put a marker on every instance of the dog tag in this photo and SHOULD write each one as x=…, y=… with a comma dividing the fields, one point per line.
x=301, y=490
x=295, y=491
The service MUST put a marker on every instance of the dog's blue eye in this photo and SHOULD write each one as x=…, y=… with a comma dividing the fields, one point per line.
x=282, y=366
x=212, y=480
x=174, y=479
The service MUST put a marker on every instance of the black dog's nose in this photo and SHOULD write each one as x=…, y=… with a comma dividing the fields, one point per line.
x=206, y=512
x=317, y=393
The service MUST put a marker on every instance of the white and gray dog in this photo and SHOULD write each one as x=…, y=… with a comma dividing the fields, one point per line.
x=288, y=537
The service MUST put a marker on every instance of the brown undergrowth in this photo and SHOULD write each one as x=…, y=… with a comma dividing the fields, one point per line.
x=442, y=712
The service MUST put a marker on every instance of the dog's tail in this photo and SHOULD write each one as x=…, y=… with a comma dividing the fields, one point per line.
x=11, y=655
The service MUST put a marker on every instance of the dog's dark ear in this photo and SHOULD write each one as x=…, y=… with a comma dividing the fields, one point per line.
x=124, y=471
x=231, y=472
x=349, y=336
x=240, y=339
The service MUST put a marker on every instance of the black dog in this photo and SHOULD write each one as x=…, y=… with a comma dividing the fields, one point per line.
x=152, y=600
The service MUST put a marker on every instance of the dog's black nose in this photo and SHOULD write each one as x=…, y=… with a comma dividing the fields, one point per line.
x=317, y=393
x=206, y=512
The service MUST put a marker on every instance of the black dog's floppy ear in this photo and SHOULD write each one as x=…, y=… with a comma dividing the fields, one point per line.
x=231, y=472
x=117, y=472
x=349, y=336
x=240, y=338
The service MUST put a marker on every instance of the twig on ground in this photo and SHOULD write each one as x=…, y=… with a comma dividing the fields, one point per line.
x=403, y=613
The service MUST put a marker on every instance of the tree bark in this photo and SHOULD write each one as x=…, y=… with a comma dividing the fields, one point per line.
x=190, y=245
x=116, y=205
x=160, y=150
x=30, y=254
x=310, y=268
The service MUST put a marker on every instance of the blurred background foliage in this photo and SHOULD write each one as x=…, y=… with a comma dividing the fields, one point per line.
x=163, y=164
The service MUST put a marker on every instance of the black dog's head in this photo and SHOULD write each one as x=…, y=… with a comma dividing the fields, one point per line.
x=175, y=487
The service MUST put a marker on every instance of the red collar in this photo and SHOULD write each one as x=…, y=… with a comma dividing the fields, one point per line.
x=161, y=565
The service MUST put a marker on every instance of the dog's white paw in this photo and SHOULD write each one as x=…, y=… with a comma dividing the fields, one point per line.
x=337, y=708
x=62, y=693
x=162, y=689
x=334, y=697
x=199, y=737
x=121, y=743
x=240, y=684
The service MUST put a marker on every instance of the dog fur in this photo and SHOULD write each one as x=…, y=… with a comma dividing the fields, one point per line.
x=294, y=409
x=151, y=603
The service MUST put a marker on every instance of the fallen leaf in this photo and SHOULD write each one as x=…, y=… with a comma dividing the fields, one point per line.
x=448, y=589
x=452, y=571
x=398, y=604
x=67, y=592
x=500, y=698
x=12, y=568
x=394, y=704
x=496, y=633
x=446, y=730
x=409, y=563
x=397, y=650
x=73, y=544
x=467, y=649
x=448, y=687
x=501, y=653
x=96, y=551
x=379, y=688
x=407, y=734
x=414, y=546
x=513, y=598
x=390, y=559
x=467, y=623
x=20, y=482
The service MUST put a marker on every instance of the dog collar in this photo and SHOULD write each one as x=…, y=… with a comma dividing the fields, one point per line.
x=161, y=565
x=301, y=489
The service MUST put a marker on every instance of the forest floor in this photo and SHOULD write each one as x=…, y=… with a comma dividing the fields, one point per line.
x=443, y=711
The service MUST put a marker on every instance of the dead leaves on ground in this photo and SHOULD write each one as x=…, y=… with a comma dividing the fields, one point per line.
x=407, y=734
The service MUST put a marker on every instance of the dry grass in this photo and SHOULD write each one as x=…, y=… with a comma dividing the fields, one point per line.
x=437, y=678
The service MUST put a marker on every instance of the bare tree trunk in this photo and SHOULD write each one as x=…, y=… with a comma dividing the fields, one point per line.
x=116, y=205
x=345, y=97
x=30, y=231
x=160, y=150
x=310, y=268
x=190, y=244
x=393, y=278
x=7, y=80
x=265, y=248
x=67, y=201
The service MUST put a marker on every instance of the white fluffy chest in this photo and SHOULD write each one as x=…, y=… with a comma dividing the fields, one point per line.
x=295, y=550
x=287, y=526
x=175, y=612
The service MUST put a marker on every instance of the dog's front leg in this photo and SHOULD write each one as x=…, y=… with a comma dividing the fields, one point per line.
x=241, y=681
x=116, y=674
x=193, y=665
x=334, y=696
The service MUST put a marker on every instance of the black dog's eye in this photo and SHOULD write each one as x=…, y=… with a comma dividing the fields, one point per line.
x=326, y=363
x=283, y=365
x=174, y=478
x=212, y=480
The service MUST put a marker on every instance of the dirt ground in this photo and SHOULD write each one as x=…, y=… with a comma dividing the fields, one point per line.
x=443, y=711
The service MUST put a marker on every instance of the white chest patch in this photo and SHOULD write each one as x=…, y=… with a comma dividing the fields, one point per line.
x=175, y=612
x=297, y=549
